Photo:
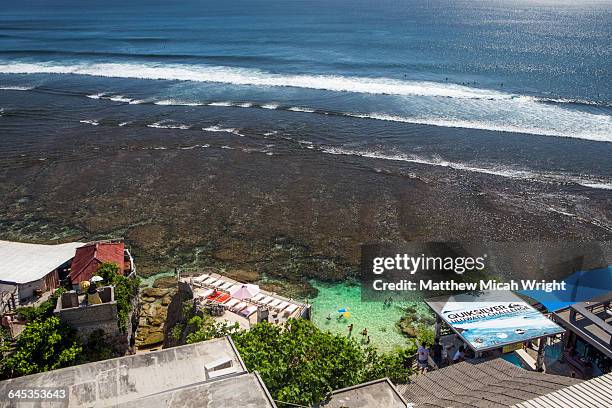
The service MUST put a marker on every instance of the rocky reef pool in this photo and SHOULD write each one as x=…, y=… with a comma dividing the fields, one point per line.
x=380, y=320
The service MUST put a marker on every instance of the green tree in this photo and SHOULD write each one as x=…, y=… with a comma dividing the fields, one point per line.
x=301, y=364
x=98, y=348
x=125, y=290
x=425, y=334
x=207, y=328
x=42, y=311
x=44, y=344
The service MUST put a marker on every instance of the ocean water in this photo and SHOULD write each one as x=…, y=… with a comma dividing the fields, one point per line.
x=514, y=88
x=380, y=320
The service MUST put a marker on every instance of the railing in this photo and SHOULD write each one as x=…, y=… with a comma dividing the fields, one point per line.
x=8, y=301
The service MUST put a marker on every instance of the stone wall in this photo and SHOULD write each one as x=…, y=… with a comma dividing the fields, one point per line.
x=87, y=319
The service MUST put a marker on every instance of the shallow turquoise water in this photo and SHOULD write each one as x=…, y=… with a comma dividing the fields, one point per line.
x=379, y=320
x=148, y=281
x=512, y=358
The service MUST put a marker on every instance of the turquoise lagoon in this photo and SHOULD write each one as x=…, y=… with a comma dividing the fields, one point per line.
x=378, y=319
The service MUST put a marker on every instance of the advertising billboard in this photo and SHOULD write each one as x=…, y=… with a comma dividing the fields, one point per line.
x=488, y=320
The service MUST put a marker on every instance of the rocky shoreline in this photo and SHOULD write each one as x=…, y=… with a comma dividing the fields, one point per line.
x=285, y=218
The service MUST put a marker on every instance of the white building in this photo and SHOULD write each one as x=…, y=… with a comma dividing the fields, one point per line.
x=24, y=268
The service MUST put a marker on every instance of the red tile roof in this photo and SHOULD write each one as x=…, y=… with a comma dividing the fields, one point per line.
x=87, y=259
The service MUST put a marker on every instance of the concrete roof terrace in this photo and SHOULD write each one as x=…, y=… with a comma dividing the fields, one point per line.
x=127, y=379
x=244, y=391
x=378, y=393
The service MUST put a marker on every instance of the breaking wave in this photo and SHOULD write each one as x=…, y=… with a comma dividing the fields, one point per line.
x=598, y=136
x=301, y=109
x=116, y=98
x=168, y=125
x=255, y=77
x=600, y=131
x=91, y=122
x=174, y=102
x=506, y=172
x=216, y=128
x=463, y=106
x=16, y=88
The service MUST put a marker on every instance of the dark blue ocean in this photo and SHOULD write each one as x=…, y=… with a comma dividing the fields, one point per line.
x=515, y=88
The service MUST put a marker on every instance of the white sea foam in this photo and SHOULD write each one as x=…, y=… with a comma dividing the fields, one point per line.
x=590, y=134
x=232, y=104
x=15, y=88
x=506, y=172
x=225, y=103
x=301, y=109
x=247, y=76
x=167, y=125
x=120, y=98
x=123, y=124
x=115, y=98
x=174, y=102
x=91, y=122
x=269, y=106
x=463, y=106
x=216, y=128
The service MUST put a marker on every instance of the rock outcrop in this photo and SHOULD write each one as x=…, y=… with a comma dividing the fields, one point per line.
x=153, y=314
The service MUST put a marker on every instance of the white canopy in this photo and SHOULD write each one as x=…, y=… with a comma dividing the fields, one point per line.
x=22, y=263
x=244, y=291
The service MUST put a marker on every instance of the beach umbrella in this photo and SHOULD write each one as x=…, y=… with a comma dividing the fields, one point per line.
x=96, y=278
x=244, y=291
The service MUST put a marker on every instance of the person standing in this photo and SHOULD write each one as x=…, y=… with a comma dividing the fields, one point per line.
x=436, y=352
x=459, y=355
x=423, y=357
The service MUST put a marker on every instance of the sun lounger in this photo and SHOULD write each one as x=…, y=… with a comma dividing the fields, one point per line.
x=223, y=298
x=232, y=302
x=281, y=306
x=266, y=300
x=214, y=294
x=201, y=278
x=210, y=280
x=239, y=307
x=258, y=298
x=204, y=293
x=290, y=309
x=226, y=285
x=275, y=303
x=248, y=311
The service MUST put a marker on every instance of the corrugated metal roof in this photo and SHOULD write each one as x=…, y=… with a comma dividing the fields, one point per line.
x=88, y=258
x=594, y=393
x=493, y=383
x=22, y=262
